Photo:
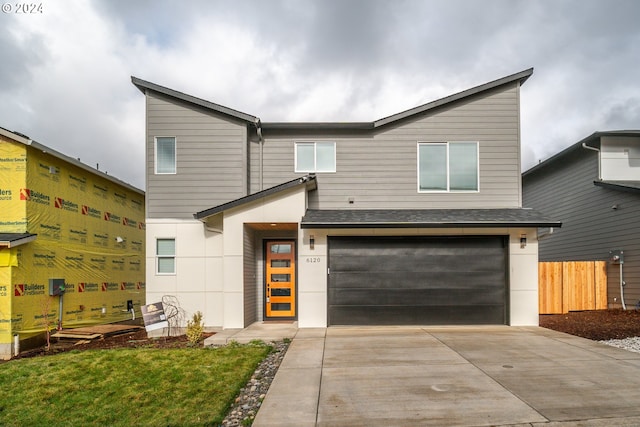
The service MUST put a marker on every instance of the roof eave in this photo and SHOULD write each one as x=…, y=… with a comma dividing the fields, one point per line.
x=617, y=186
x=17, y=242
x=520, y=77
x=307, y=180
x=144, y=85
x=357, y=225
x=75, y=162
x=592, y=140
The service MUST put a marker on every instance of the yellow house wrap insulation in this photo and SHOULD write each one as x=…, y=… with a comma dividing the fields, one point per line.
x=90, y=232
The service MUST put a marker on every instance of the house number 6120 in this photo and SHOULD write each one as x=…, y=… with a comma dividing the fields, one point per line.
x=313, y=259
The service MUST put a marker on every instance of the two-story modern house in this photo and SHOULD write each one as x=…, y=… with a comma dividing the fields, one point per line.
x=594, y=186
x=415, y=218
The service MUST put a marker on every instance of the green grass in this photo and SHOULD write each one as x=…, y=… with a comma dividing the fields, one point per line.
x=126, y=387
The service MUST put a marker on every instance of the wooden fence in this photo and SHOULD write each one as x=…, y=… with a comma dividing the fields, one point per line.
x=572, y=286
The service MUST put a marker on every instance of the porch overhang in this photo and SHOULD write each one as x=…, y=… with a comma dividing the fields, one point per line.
x=10, y=240
x=426, y=218
x=308, y=180
x=628, y=186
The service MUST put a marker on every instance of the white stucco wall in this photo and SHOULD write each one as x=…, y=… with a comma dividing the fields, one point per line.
x=197, y=284
x=620, y=158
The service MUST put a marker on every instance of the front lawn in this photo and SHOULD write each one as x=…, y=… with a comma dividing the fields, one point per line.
x=126, y=387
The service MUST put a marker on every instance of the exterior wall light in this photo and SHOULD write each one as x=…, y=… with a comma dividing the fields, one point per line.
x=523, y=241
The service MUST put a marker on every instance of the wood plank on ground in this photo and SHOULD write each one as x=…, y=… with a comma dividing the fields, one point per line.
x=95, y=331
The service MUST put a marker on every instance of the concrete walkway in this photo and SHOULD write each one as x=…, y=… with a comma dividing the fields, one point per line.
x=448, y=376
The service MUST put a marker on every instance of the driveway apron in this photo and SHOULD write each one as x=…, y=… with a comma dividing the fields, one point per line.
x=451, y=376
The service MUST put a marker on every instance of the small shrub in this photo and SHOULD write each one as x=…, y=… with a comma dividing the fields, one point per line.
x=195, y=328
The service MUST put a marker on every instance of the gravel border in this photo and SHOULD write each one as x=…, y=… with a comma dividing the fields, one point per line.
x=244, y=409
x=631, y=344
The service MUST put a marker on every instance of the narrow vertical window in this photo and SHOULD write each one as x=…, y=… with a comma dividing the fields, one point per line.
x=166, y=256
x=463, y=166
x=165, y=155
x=432, y=160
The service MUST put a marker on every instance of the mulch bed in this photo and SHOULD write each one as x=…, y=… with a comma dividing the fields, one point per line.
x=595, y=325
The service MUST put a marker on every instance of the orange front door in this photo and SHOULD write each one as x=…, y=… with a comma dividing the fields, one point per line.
x=280, y=283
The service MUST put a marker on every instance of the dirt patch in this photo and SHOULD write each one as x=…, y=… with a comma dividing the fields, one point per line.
x=137, y=339
x=595, y=325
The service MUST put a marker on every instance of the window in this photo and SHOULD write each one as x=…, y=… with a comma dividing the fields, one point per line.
x=165, y=155
x=166, y=256
x=447, y=166
x=315, y=157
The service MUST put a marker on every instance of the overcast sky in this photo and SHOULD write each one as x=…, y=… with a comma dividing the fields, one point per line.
x=65, y=69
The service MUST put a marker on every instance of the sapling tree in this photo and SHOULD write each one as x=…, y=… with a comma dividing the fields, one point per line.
x=195, y=329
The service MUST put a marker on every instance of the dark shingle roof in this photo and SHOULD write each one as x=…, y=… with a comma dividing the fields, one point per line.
x=426, y=218
x=10, y=240
x=306, y=180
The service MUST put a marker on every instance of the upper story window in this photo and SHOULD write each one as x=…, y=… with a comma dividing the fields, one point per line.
x=447, y=166
x=166, y=256
x=315, y=157
x=165, y=154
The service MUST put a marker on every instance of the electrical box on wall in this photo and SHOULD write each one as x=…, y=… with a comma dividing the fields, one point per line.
x=616, y=256
x=56, y=287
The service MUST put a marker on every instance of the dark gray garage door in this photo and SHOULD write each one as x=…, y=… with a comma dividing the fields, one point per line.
x=428, y=281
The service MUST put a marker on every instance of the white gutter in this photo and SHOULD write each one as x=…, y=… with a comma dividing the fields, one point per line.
x=584, y=145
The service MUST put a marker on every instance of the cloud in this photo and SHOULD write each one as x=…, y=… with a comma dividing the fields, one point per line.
x=66, y=82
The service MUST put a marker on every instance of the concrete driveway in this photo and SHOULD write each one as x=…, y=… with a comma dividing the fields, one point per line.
x=451, y=376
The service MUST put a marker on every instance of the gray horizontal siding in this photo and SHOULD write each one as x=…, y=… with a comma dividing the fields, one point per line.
x=211, y=153
x=380, y=170
x=591, y=228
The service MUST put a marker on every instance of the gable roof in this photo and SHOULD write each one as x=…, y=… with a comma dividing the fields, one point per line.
x=308, y=180
x=24, y=139
x=144, y=86
x=592, y=140
x=425, y=218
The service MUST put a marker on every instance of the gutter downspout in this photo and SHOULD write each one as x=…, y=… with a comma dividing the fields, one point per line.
x=584, y=145
x=622, y=284
x=261, y=142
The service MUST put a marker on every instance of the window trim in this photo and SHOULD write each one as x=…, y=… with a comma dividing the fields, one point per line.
x=448, y=168
x=158, y=257
x=315, y=157
x=155, y=155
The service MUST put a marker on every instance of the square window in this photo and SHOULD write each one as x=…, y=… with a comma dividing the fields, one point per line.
x=315, y=157
x=166, y=256
x=165, y=155
x=448, y=167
